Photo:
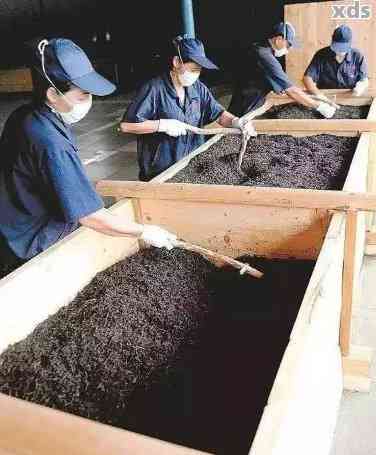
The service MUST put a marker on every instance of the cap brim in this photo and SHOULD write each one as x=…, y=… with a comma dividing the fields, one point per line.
x=95, y=84
x=340, y=47
x=204, y=62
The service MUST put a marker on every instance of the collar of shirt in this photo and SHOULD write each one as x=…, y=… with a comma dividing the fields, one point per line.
x=191, y=92
x=348, y=57
x=57, y=122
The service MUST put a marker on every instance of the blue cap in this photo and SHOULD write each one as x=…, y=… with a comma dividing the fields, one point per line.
x=65, y=61
x=288, y=32
x=192, y=49
x=342, y=39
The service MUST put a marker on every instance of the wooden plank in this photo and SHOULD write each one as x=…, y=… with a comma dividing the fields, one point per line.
x=348, y=281
x=325, y=283
x=372, y=111
x=27, y=428
x=371, y=237
x=371, y=184
x=236, y=230
x=318, y=19
x=344, y=96
x=318, y=126
x=356, y=368
x=228, y=194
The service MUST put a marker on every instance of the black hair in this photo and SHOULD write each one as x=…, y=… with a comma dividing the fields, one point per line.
x=275, y=35
x=41, y=85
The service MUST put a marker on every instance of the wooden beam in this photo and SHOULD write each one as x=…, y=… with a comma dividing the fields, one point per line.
x=371, y=237
x=228, y=194
x=348, y=281
x=372, y=111
x=318, y=126
x=342, y=96
x=371, y=242
x=371, y=170
x=26, y=428
x=356, y=369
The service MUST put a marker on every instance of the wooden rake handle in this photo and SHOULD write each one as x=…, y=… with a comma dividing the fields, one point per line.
x=244, y=268
x=212, y=131
x=327, y=101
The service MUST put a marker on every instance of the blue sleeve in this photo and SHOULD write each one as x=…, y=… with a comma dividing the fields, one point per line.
x=69, y=185
x=143, y=107
x=363, y=68
x=313, y=70
x=273, y=72
x=210, y=107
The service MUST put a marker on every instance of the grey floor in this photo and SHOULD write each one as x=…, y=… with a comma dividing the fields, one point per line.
x=356, y=427
x=108, y=154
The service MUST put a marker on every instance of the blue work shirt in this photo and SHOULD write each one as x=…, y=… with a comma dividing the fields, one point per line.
x=327, y=73
x=44, y=189
x=258, y=74
x=158, y=99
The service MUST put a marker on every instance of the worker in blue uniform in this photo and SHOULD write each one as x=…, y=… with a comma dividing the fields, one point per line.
x=261, y=72
x=45, y=193
x=338, y=66
x=164, y=105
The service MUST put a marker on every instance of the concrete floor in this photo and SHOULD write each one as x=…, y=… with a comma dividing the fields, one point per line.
x=355, y=433
x=107, y=154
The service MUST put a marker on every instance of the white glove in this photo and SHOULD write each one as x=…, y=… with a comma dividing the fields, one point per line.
x=360, y=87
x=172, y=127
x=246, y=127
x=158, y=237
x=326, y=110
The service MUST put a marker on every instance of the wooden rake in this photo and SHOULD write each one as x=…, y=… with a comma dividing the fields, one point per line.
x=219, y=258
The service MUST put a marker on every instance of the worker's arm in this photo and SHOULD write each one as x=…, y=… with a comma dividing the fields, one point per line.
x=300, y=97
x=172, y=127
x=108, y=223
x=311, y=86
x=280, y=82
x=141, y=116
x=147, y=127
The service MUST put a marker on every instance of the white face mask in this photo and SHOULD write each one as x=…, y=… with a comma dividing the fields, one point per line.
x=188, y=78
x=340, y=57
x=78, y=112
x=281, y=52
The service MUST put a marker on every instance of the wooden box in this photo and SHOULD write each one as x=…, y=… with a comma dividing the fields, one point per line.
x=304, y=400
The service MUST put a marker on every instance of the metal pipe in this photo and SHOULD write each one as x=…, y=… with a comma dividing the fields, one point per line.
x=188, y=18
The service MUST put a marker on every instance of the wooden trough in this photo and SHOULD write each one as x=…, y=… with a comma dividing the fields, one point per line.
x=271, y=222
